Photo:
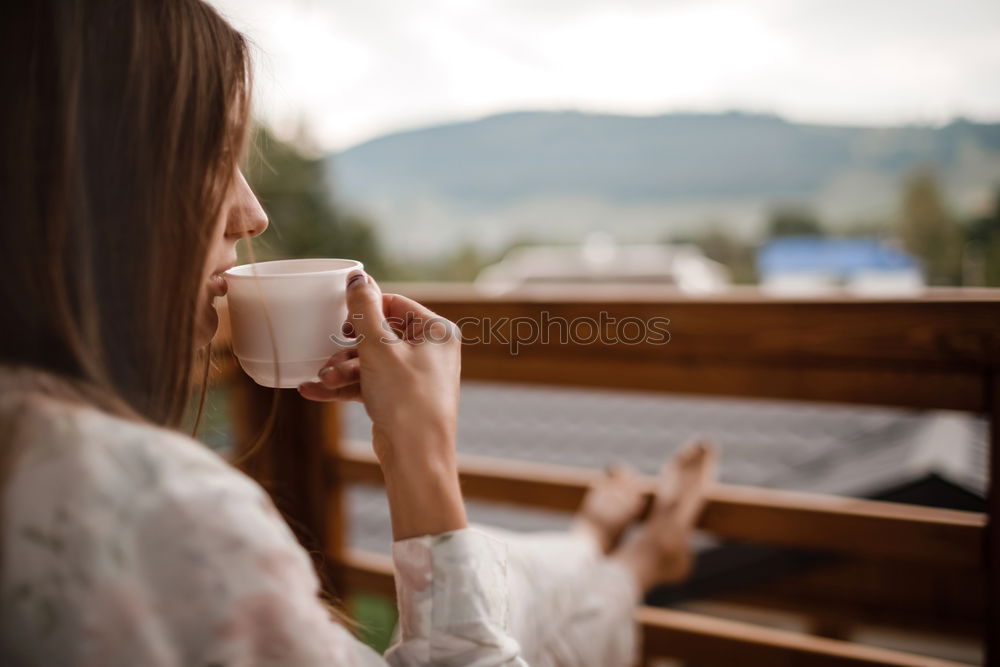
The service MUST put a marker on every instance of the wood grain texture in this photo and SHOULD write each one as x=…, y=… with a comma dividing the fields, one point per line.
x=955, y=332
x=945, y=332
x=931, y=352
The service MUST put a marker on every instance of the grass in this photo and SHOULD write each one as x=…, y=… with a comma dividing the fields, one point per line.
x=376, y=617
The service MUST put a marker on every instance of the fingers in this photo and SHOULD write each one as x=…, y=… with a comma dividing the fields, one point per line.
x=371, y=314
x=316, y=391
x=403, y=316
x=342, y=368
x=414, y=321
x=341, y=373
x=339, y=379
x=398, y=306
x=397, y=325
x=364, y=308
x=341, y=355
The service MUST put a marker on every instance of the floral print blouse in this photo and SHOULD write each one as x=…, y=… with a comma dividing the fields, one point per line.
x=125, y=544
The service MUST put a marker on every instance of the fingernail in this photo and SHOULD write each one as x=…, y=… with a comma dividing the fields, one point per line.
x=326, y=369
x=356, y=279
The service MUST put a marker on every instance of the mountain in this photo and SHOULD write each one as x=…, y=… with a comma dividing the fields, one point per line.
x=557, y=175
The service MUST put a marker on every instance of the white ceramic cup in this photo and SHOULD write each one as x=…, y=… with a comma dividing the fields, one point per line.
x=305, y=300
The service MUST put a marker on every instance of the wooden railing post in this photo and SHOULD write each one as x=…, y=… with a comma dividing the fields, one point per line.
x=334, y=497
x=296, y=464
x=992, y=541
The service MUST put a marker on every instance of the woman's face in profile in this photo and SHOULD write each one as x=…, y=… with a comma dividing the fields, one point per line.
x=241, y=216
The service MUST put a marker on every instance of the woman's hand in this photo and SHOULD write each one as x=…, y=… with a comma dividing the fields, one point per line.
x=405, y=369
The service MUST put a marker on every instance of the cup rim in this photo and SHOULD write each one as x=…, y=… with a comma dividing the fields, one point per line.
x=242, y=271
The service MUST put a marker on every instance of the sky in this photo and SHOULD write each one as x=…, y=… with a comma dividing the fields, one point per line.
x=335, y=73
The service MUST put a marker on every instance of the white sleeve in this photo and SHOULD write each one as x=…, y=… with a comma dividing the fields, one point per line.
x=453, y=608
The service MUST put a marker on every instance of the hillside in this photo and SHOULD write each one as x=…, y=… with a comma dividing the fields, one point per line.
x=558, y=174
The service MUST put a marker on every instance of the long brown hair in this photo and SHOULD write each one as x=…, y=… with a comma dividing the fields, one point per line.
x=120, y=136
x=121, y=133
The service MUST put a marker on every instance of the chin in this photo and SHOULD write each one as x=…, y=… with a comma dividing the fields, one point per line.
x=208, y=325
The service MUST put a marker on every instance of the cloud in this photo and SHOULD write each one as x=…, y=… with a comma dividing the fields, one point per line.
x=352, y=70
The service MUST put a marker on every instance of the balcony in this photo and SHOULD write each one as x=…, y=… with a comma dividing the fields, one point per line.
x=895, y=564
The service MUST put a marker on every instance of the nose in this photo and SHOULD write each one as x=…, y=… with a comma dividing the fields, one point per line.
x=246, y=216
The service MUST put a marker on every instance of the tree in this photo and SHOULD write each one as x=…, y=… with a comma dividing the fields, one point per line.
x=738, y=256
x=305, y=222
x=789, y=220
x=982, y=239
x=929, y=231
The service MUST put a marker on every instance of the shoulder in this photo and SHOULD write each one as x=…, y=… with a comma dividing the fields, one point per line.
x=70, y=452
x=90, y=479
x=84, y=480
x=148, y=541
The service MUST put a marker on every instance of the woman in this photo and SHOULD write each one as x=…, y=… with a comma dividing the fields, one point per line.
x=124, y=542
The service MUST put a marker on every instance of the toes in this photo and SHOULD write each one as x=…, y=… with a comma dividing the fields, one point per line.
x=684, y=480
x=667, y=483
x=692, y=453
x=628, y=486
x=695, y=475
x=612, y=474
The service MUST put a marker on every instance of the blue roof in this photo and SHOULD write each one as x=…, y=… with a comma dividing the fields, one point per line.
x=842, y=257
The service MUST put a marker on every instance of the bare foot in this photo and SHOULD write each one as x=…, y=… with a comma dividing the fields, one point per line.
x=612, y=503
x=659, y=550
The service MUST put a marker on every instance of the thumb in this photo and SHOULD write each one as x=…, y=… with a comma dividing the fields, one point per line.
x=364, y=307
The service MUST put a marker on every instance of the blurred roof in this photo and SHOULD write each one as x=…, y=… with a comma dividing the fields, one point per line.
x=840, y=257
x=599, y=259
x=836, y=449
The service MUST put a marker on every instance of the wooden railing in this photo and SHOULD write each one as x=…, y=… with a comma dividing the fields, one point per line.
x=936, y=568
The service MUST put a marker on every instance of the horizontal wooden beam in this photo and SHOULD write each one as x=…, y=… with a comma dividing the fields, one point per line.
x=692, y=637
x=706, y=640
x=933, y=331
x=866, y=528
x=932, y=352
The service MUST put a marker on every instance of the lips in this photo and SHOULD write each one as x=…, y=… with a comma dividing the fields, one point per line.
x=217, y=285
